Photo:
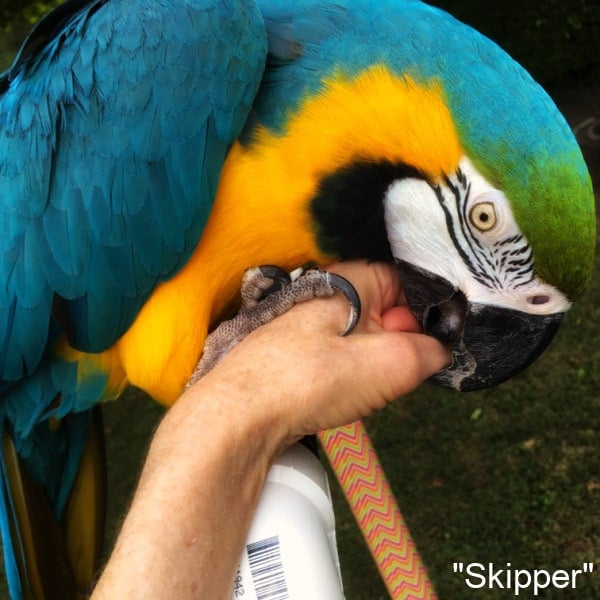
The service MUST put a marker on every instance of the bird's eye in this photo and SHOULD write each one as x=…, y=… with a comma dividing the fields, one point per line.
x=483, y=216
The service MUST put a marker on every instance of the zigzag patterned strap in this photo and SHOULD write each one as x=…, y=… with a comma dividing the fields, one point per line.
x=357, y=467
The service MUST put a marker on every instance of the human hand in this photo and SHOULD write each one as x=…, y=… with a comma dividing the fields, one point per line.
x=300, y=372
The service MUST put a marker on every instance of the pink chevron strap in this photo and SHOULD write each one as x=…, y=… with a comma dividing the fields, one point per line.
x=357, y=467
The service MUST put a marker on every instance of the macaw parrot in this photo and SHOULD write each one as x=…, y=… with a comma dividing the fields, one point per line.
x=152, y=151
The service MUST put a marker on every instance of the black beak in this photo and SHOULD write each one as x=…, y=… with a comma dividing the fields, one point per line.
x=489, y=344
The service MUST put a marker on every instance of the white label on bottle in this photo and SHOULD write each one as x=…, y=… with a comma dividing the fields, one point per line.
x=268, y=577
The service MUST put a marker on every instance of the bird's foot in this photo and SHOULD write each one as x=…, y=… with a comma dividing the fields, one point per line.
x=268, y=292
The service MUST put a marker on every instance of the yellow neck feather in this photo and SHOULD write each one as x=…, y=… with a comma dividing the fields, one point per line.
x=375, y=116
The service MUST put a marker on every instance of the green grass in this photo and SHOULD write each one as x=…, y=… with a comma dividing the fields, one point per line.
x=505, y=475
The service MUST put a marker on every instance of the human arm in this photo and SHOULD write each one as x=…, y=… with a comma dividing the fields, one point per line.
x=208, y=460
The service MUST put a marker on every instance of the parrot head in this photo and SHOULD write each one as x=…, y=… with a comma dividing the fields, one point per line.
x=476, y=290
x=420, y=141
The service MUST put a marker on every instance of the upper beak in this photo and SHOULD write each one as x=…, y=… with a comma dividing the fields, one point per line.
x=489, y=344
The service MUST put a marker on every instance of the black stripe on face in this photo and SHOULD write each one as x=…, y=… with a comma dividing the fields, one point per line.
x=455, y=223
x=506, y=264
x=348, y=209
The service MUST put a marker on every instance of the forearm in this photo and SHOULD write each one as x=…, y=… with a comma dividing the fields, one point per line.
x=198, y=491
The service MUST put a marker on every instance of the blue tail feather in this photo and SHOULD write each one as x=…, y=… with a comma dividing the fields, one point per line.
x=47, y=417
x=10, y=545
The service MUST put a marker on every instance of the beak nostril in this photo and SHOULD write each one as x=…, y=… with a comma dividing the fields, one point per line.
x=445, y=321
x=539, y=299
x=432, y=320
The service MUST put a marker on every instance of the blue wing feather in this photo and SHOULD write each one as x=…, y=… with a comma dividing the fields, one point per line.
x=105, y=129
x=115, y=120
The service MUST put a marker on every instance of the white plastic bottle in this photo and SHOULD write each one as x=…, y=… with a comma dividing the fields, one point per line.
x=291, y=552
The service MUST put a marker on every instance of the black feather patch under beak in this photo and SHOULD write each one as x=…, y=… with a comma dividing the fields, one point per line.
x=489, y=344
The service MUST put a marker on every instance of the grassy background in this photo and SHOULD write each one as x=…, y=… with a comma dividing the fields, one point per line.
x=506, y=475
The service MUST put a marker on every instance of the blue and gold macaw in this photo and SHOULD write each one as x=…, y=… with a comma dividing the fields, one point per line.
x=151, y=151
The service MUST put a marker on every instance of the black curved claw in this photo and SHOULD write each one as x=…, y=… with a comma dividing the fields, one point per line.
x=280, y=279
x=340, y=283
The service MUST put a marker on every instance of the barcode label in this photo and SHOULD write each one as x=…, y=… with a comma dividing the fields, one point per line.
x=266, y=567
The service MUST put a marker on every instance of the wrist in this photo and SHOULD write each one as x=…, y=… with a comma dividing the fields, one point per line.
x=236, y=414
